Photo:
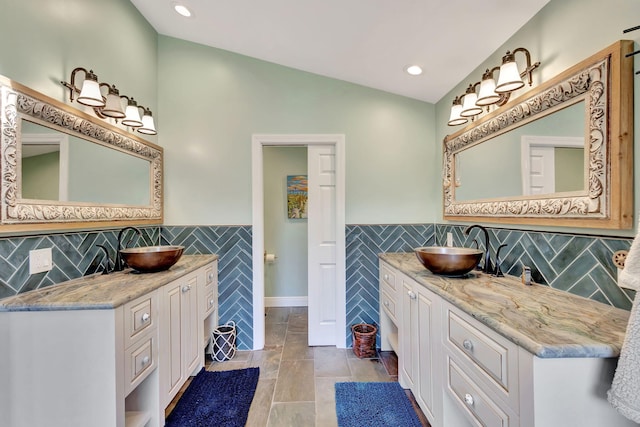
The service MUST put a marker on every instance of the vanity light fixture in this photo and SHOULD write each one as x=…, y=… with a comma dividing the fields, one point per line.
x=469, y=107
x=488, y=95
x=147, y=128
x=113, y=105
x=132, y=115
x=471, y=104
x=455, y=118
x=110, y=105
x=90, y=93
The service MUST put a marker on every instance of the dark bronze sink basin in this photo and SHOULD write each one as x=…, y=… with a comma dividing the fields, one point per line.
x=148, y=259
x=450, y=261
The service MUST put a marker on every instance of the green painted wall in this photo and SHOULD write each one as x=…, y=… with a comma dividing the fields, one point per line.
x=44, y=40
x=40, y=176
x=212, y=101
x=562, y=34
x=284, y=237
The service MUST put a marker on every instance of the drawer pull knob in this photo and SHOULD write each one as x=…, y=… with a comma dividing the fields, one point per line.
x=145, y=360
x=412, y=295
x=468, y=345
x=145, y=317
x=186, y=288
x=386, y=277
x=386, y=303
x=211, y=276
x=468, y=399
x=211, y=302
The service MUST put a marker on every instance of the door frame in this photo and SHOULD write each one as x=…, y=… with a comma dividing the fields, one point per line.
x=258, y=141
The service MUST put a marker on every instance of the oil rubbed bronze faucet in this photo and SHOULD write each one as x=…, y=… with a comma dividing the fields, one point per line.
x=120, y=264
x=487, y=254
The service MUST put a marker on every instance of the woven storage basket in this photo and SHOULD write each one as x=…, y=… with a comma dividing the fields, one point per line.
x=223, y=342
x=364, y=340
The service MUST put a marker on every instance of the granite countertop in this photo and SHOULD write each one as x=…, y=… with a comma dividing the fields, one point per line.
x=546, y=322
x=102, y=291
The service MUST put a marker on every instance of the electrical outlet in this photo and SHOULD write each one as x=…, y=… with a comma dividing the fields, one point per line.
x=40, y=260
x=449, y=239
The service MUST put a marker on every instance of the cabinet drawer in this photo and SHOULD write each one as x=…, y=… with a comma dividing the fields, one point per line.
x=491, y=356
x=477, y=405
x=388, y=304
x=209, y=301
x=140, y=361
x=388, y=278
x=210, y=275
x=140, y=316
x=487, y=356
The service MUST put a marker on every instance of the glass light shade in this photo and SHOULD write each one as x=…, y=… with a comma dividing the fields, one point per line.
x=147, y=128
x=487, y=94
x=90, y=94
x=469, y=107
x=509, y=78
x=113, y=106
x=455, y=119
x=132, y=115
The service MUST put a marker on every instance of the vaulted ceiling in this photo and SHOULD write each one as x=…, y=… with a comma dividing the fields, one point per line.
x=367, y=42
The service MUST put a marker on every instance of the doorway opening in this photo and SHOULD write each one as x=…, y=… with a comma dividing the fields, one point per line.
x=326, y=231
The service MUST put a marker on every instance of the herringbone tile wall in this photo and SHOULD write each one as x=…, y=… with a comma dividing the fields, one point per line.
x=575, y=263
x=364, y=243
x=235, y=272
x=74, y=255
x=578, y=264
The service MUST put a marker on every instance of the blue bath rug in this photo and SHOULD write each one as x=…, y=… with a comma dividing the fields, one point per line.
x=220, y=399
x=374, y=405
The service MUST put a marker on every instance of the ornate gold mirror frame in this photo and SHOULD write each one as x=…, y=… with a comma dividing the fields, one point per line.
x=18, y=214
x=605, y=82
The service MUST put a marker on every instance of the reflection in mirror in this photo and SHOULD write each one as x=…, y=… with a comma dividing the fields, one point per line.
x=61, y=168
x=538, y=158
x=576, y=130
x=85, y=172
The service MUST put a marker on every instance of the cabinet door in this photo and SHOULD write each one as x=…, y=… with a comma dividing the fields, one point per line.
x=190, y=331
x=171, y=341
x=428, y=373
x=408, y=357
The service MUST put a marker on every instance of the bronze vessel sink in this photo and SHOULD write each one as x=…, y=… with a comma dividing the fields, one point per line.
x=449, y=261
x=149, y=259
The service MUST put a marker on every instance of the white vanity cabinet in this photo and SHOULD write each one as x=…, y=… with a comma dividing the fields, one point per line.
x=464, y=373
x=105, y=351
x=66, y=368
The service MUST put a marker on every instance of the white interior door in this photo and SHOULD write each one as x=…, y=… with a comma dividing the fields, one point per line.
x=321, y=213
x=337, y=147
x=537, y=154
x=542, y=170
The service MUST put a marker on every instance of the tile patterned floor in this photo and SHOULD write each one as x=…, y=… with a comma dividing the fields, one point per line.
x=296, y=385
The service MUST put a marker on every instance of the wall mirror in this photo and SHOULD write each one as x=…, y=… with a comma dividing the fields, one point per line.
x=561, y=154
x=62, y=168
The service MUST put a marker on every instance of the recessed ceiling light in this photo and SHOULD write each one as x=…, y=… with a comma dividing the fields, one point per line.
x=414, y=70
x=182, y=10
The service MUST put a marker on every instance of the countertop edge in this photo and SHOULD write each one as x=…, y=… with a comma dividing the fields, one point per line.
x=39, y=300
x=570, y=350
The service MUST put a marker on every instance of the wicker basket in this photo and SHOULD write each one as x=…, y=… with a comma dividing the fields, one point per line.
x=364, y=340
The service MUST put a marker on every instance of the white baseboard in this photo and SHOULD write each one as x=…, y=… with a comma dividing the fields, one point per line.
x=286, y=302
